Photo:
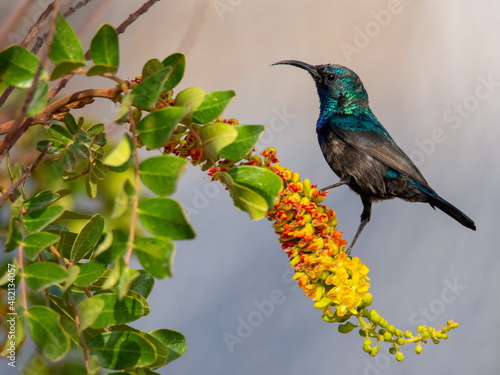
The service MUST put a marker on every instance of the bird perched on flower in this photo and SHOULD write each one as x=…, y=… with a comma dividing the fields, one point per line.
x=361, y=151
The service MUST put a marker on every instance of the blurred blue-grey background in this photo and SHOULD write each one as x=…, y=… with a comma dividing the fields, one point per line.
x=432, y=70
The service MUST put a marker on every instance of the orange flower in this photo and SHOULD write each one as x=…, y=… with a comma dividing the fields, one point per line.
x=335, y=282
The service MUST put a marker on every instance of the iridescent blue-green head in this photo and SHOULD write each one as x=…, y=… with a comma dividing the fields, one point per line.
x=340, y=90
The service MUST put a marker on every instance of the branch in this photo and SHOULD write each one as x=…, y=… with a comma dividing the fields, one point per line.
x=33, y=32
x=134, y=16
x=120, y=29
x=27, y=39
x=25, y=175
x=50, y=111
x=19, y=126
x=14, y=20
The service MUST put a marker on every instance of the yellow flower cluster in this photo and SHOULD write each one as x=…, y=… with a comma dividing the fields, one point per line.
x=336, y=283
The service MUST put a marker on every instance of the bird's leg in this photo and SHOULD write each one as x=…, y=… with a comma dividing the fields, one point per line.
x=343, y=181
x=365, y=218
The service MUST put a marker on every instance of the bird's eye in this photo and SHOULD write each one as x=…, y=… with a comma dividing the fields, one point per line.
x=330, y=77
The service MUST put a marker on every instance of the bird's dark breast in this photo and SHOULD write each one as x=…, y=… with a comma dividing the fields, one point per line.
x=365, y=175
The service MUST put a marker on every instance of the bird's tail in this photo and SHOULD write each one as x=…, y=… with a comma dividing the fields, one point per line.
x=436, y=201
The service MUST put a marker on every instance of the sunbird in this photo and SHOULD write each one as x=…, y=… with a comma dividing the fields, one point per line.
x=361, y=151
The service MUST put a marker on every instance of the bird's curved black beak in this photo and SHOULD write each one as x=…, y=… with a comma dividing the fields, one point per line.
x=312, y=69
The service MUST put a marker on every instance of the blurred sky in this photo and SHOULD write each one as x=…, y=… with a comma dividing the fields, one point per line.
x=432, y=70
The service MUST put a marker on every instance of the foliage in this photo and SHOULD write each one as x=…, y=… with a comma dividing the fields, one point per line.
x=73, y=265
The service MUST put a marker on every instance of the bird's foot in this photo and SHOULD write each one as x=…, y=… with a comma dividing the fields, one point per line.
x=340, y=183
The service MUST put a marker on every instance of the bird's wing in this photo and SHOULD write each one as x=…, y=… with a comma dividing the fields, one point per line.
x=366, y=134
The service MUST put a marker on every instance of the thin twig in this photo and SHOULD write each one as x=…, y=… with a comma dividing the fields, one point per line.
x=20, y=126
x=42, y=39
x=57, y=106
x=27, y=39
x=14, y=19
x=83, y=343
x=120, y=29
x=36, y=26
x=25, y=175
x=135, y=201
x=59, y=257
x=33, y=31
x=134, y=16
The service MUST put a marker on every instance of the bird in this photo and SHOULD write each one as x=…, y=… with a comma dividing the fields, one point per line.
x=361, y=151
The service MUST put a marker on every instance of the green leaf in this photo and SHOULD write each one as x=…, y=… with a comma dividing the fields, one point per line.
x=66, y=242
x=66, y=50
x=124, y=109
x=60, y=133
x=87, y=238
x=14, y=236
x=190, y=98
x=66, y=46
x=68, y=161
x=143, y=285
x=212, y=107
x=119, y=350
x=147, y=93
x=160, y=173
x=118, y=311
x=98, y=169
x=40, y=275
x=36, y=220
x=248, y=135
x=160, y=349
x=36, y=242
x=39, y=99
x=90, y=272
x=71, y=124
x=64, y=68
x=80, y=149
x=253, y=189
x=262, y=181
x=91, y=186
x=177, y=62
x=71, y=215
x=95, y=129
x=173, y=340
x=123, y=200
x=42, y=199
x=156, y=128
x=18, y=67
x=117, y=249
x=73, y=271
x=155, y=255
x=217, y=136
x=56, y=148
x=46, y=330
x=120, y=158
x=165, y=217
x=99, y=140
x=151, y=67
x=126, y=277
x=111, y=277
x=67, y=315
x=104, y=51
x=89, y=310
